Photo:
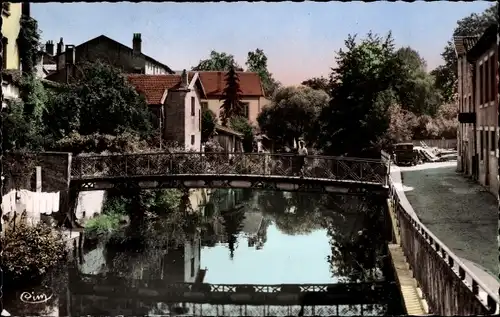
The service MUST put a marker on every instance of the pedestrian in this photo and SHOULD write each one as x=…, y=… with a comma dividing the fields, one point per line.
x=302, y=153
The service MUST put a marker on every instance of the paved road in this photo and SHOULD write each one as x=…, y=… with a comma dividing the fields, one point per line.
x=461, y=213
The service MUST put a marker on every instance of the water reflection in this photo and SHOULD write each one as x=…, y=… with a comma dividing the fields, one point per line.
x=247, y=240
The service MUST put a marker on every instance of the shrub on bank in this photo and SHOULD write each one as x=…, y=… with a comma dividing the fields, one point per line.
x=31, y=251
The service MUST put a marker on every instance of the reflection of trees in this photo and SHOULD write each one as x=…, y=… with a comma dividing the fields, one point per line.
x=355, y=225
x=293, y=213
x=233, y=223
x=357, y=238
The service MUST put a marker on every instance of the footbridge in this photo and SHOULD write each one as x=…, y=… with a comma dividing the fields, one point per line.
x=286, y=172
x=240, y=299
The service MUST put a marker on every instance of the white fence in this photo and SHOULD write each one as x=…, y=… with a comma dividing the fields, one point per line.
x=439, y=143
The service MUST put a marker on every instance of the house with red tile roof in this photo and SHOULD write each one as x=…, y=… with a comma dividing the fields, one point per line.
x=252, y=92
x=175, y=101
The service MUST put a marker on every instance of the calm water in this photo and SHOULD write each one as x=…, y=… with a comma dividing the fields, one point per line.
x=244, y=239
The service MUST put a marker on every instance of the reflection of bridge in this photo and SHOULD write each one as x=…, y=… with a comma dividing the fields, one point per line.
x=224, y=294
x=234, y=170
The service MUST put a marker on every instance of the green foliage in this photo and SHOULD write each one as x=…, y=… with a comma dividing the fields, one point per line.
x=28, y=43
x=218, y=62
x=98, y=143
x=475, y=24
x=293, y=114
x=317, y=83
x=23, y=118
x=257, y=62
x=231, y=105
x=415, y=87
x=362, y=90
x=99, y=101
x=242, y=125
x=32, y=250
x=102, y=225
x=208, y=121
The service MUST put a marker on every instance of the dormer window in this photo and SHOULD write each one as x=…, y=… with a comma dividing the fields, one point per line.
x=6, y=8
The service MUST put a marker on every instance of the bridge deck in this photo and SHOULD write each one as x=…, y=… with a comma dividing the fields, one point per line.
x=285, y=294
x=247, y=170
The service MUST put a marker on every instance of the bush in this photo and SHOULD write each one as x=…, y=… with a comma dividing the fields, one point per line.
x=102, y=225
x=31, y=251
x=99, y=143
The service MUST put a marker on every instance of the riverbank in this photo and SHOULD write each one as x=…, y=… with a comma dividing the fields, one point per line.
x=461, y=213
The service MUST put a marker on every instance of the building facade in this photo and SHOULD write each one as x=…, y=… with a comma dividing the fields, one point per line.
x=483, y=57
x=466, y=137
x=104, y=49
x=11, y=15
x=252, y=93
x=175, y=101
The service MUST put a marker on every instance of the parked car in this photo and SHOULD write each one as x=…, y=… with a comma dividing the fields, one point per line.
x=405, y=154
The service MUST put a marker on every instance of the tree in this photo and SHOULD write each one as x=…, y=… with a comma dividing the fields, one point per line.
x=218, y=62
x=28, y=43
x=475, y=24
x=257, y=62
x=208, y=122
x=242, y=125
x=99, y=101
x=293, y=114
x=362, y=90
x=415, y=87
x=231, y=106
x=317, y=83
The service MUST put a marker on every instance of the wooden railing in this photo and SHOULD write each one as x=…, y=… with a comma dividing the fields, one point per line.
x=95, y=167
x=449, y=287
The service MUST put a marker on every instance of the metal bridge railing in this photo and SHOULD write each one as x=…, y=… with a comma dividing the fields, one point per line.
x=449, y=287
x=95, y=167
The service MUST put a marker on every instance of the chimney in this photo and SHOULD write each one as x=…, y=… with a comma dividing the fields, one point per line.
x=184, y=79
x=70, y=55
x=136, y=43
x=60, y=46
x=49, y=48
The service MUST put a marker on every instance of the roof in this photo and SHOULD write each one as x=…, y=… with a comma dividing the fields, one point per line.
x=153, y=86
x=464, y=43
x=214, y=83
x=484, y=43
x=104, y=37
x=228, y=130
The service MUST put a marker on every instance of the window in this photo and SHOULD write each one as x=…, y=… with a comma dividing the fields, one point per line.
x=486, y=81
x=204, y=105
x=481, y=84
x=471, y=107
x=192, y=106
x=493, y=141
x=493, y=78
x=481, y=145
x=246, y=110
x=5, y=41
x=192, y=139
x=192, y=267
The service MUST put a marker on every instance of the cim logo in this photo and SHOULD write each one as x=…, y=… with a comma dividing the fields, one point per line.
x=34, y=297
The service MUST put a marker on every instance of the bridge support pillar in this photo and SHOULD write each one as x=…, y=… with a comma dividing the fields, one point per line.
x=67, y=207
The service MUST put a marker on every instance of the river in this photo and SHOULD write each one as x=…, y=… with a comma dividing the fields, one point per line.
x=247, y=244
